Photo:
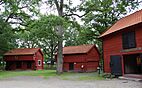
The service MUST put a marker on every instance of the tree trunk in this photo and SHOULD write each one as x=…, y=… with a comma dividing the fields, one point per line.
x=60, y=50
x=52, y=55
x=59, y=6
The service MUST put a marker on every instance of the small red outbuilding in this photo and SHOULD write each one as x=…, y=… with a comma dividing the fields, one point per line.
x=122, y=46
x=83, y=58
x=24, y=59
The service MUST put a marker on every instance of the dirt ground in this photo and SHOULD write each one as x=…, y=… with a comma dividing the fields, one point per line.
x=55, y=82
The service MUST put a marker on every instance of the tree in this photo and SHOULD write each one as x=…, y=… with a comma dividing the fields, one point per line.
x=59, y=30
x=42, y=33
x=101, y=14
x=98, y=15
x=104, y=13
x=18, y=12
x=7, y=39
x=59, y=6
x=67, y=13
x=45, y=29
x=14, y=16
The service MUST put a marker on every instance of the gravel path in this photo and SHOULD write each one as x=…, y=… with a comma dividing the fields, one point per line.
x=55, y=82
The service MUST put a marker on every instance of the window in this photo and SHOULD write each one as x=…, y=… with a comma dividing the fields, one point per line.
x=39, y=62
x=128, y=40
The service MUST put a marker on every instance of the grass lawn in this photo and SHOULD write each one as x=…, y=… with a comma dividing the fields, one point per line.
x=81, y=76
x=42, y=73
x=51, y=73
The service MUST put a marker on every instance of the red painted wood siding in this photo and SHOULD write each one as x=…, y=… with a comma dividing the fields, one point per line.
x=93, y=58
x=92, y=66
x=139, y=36
x=93, y=55
x=77, y=67
x=112, y=44
x=39, y=57
x=90, y=61
x=24, y=59
x=75, y=58
x=79, y=59
x=19, y=57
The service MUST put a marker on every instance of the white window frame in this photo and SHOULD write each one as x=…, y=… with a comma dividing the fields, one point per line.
x=40, y=63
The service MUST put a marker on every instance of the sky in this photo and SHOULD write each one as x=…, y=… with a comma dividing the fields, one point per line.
x=44, y=7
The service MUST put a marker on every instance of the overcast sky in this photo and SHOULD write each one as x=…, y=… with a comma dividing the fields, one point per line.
x=44, y=7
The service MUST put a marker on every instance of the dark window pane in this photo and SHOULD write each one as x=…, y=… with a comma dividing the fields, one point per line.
x=39, y=62
x=129, y=40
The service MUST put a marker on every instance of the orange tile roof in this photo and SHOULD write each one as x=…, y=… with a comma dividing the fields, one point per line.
x=124, y=22
x=22, y=51
x=77, y=49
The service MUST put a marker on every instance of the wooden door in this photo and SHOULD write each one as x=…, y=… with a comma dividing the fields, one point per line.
x=71, y=66
x=116, y=65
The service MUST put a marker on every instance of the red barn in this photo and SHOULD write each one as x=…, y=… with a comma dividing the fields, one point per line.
x=83, y=58
x=24, y=59
x=122, y=46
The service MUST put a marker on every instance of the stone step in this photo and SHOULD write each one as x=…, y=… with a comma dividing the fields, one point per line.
x=130, y=78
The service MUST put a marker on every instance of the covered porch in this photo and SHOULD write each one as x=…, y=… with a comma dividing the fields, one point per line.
x=20, y=65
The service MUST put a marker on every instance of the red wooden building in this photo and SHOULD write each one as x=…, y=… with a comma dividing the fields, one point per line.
x=24, y=59
x=83, y=58
x=122, y=46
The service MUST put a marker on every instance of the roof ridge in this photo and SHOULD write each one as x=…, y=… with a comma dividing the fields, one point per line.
x=79, y=45
x=22, y=51
x=77, y=49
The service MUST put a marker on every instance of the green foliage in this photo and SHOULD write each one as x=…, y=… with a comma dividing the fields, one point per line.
x=14, y=16
x=6, y=37
x=103, y=13
x=98, y=16
x=42, y=33
x=7, y=40
x=18, y=12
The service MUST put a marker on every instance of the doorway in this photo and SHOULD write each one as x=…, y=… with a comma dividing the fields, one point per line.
x=18, y=64
x=8, y=65
x=29, y=64
x=116, y=65
x=132, y=64
x=71, y=66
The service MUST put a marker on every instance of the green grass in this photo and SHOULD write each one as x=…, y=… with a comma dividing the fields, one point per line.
x=51, y=73
x=42, y=73
x=81, y=76
x=91, y=78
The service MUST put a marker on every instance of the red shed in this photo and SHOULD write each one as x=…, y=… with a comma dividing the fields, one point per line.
x=83, y=58
x=122, y=46
x=24, y=59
